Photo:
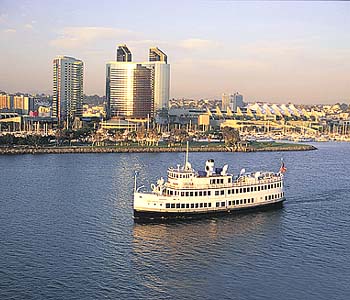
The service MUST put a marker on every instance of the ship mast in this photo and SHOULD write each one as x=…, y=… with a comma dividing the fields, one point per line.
x=186, y=157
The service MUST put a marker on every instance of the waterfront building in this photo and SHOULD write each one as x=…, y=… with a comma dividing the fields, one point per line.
x=67, y=88
x=4, y=101
x=123, y=54
x=128, y=90
x=225, y=101
x=236, y=101
x=137, y=90
x=21, y=104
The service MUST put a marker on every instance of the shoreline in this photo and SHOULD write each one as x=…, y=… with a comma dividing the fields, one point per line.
x=143, y=149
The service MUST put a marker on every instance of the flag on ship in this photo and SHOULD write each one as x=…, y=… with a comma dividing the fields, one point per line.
x=283, y=168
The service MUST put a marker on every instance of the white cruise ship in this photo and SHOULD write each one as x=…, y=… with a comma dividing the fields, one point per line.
x=190, y=194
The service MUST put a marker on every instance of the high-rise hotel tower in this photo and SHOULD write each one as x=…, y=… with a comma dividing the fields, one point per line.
x=137, y=90
x=67, y=88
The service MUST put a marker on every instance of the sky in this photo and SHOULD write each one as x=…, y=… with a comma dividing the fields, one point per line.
x=268, y=51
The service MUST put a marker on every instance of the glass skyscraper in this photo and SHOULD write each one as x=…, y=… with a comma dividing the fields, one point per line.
x=67, y=88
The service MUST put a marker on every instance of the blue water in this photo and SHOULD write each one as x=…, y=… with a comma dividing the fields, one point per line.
x=67, y=231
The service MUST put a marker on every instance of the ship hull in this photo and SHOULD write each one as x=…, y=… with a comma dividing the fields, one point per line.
x=141, y=216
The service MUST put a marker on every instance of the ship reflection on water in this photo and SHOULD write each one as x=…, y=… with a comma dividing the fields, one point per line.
x=197, y=247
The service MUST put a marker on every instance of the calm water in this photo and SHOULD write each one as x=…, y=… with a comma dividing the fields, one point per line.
x=67, y=232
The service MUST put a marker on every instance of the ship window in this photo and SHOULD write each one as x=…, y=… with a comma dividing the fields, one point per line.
x=200, y=194
x=229, y=203
x=183, y=205
x=245, y=201
x=217, y=204
x=223, y=203
x=205, y=204
x=209, y=193
x=167, y=205
x=196, y=205
x=216, y=193
x=192, y=205
x=187, y=194
x=177, y=205
x=237, y=202
x=173, y=205
x=241, y=201
x=209, y=204
x=222, y=192
x=187, y=205
x=196, y=194
x=191, y=194
x=182, y=194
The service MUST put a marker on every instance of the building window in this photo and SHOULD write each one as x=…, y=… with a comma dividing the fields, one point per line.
x=196, y=205
x=229, y=203
x=191, y=194
x=237, y=202
x=167, y=205
x=187, y=194
x=223, y=204
x=229, y=180
x=205, y=204
x=200, y=194
x=216, y=193
x=252, y=200
x=173, y=205
x=177, y=205
x=217, y=204
x=209, y=193
x=241, y=201
x=245, y=201
x=204, y=193
x=240, y=190
x=248, y=189
x=201, y=205
x=187, y=205
x=183, y=205
x=192, y=205
x=209, y=204
x=222, y=192
x=229, y=192
x=182, y=194
x=196, y=194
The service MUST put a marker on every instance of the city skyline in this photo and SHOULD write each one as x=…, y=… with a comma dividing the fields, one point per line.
x=269, y=51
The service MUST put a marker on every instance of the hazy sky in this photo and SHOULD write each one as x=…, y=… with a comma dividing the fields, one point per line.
x=269, y=51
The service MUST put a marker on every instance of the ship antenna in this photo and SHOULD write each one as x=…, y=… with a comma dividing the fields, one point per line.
x=186, y=159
